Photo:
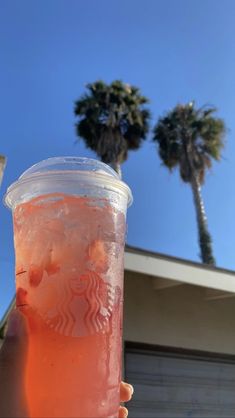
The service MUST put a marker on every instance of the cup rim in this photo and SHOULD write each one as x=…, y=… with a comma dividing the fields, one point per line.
x=99, y=174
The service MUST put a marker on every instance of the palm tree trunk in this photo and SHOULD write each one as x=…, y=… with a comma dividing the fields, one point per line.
x=2, y=167
x=205, y=240
x=117, y=167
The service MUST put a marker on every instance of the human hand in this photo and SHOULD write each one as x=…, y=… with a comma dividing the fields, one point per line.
x=13, y=355
x=126, y=392
x=12, y=364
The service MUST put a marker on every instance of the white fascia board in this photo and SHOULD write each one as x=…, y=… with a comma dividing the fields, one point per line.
x=197, y=275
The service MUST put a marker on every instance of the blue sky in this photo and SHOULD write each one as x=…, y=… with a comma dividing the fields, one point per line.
x=174, y=50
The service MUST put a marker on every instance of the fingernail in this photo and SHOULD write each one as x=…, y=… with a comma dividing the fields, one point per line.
x=130, y=387
x=125, y=412
x=15, y=324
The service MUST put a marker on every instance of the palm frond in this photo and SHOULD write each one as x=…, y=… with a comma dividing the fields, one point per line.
x=112, y=119
x=196, y=131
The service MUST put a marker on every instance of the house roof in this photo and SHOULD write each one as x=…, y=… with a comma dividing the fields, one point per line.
x=171, y=271
x=167, y=271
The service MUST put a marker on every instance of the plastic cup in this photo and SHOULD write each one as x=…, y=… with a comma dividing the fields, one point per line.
x=69, y=231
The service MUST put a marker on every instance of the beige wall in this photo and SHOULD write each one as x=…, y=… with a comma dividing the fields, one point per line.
x=177, y=317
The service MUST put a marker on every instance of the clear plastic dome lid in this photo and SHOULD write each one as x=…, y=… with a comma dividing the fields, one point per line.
x=70, y=164
x=71, y=175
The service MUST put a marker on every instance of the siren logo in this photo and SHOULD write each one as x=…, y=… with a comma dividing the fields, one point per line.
x=84, y=306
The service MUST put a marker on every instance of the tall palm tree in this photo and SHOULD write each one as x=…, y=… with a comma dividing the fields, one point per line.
x=2, y=167
x=112, y=120
x=189, y=138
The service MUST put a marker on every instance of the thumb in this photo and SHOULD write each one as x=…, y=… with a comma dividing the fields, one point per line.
x=12, y=367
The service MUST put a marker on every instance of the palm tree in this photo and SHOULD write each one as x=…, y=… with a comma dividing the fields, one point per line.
x=112, y=120
x=189, y=138
x=2, y=167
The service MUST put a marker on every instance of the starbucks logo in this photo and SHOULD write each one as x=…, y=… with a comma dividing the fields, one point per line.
x=84, y=305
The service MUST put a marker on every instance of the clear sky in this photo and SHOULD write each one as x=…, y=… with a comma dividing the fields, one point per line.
x=174, y=50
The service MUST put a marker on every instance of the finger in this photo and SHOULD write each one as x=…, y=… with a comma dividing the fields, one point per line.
x=126, y=392
x=12, y=367
x=123, y=412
